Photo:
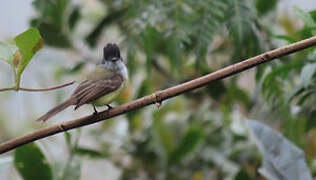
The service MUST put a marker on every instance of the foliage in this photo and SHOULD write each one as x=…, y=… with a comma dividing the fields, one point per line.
x=31, y=163
x=200, y=134
x=20, y=54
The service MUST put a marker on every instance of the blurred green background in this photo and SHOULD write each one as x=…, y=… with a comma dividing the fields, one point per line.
x=197, y=135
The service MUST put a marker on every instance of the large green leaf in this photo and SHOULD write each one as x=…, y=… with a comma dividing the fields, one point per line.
x=7, y=52
x=187, y=145
x=31, y=163
x=281, y=158
x=29, y=42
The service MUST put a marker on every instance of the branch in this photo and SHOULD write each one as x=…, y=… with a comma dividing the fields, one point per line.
x=7, y=89
x=158, y=96
x=39, y=89
x=47, y=89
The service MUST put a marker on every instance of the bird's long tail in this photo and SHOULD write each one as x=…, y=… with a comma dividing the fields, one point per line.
x=56, y=110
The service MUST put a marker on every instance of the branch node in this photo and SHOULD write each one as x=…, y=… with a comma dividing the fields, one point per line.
x=265, y=56
x=157, y=101
x=62, y=127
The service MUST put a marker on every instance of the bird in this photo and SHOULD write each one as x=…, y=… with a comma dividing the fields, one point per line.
x=101, y=86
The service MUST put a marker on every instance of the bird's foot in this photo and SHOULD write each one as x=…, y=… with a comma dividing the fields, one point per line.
x=95, y=110
x=109, y=107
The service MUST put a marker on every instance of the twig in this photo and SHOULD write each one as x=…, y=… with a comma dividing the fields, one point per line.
x=47, y=89
x=38, y=89
x=7, y=89
x=159, y=95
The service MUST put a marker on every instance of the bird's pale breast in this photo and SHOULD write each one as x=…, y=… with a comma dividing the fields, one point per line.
x=110, y=97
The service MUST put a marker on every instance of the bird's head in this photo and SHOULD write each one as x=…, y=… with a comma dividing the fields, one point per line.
x=112, y=59
x=111, y=53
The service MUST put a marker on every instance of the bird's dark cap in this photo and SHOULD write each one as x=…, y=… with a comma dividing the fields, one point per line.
x=110, y=51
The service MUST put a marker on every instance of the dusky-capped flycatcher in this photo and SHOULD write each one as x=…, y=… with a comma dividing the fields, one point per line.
x=102, y=86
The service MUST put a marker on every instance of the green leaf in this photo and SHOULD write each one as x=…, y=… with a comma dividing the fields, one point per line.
x=187, y=145
x=52, y=11
x=243, y=29
x=305, y=95
x=216, y=89
x=31, y=163
x=313, y=14
x=7, y=52
x=29, y=42
x=295, y=92
x=74, y=17
x=88, y=152
x=287, y=38
x=53, y=36
x=272, y=85
x=243, y=175
x=307, y=19
x=264, y=6
x=52, y=20
x=260, y=72
x=235, y=93
x=145, y=88
x=281, y=158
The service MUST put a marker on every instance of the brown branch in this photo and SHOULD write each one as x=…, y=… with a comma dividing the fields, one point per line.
x=158, y=96
x=38, y=89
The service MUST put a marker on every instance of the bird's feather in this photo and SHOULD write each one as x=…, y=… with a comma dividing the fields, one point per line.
x=91, y=90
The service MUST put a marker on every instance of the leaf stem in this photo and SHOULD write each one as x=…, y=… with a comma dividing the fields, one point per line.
x=16, y=78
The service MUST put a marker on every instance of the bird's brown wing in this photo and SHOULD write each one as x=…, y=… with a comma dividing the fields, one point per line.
x=91, y=90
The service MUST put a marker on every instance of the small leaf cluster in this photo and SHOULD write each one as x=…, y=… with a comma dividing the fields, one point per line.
x=19, y=54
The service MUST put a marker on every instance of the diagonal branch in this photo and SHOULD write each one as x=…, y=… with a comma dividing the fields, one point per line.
x=158, y=96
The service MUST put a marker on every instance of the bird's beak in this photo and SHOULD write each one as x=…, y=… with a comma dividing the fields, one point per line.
x=115, y=59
